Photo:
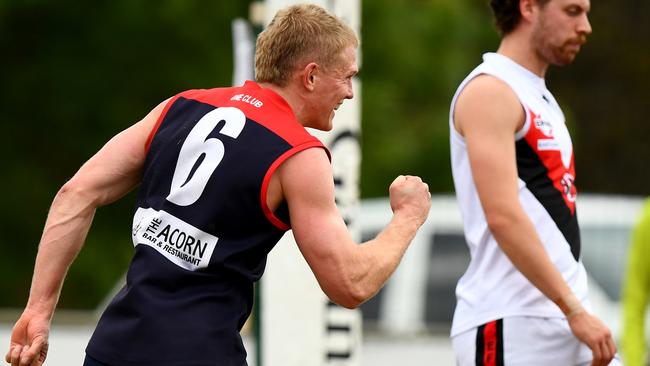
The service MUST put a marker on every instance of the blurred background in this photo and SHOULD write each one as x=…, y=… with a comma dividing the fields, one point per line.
x=72, y=74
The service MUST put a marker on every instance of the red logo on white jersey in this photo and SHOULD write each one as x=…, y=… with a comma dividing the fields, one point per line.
x=553, y=146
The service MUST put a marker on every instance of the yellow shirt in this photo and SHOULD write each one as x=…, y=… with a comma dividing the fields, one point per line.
x=636, y=290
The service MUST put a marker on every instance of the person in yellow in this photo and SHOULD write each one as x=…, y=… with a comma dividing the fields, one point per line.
x=635, y=292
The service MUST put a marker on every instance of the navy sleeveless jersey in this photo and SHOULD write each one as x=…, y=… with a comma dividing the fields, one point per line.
x=201, y=229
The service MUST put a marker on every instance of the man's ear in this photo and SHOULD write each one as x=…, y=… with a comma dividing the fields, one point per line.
x=527, y=9
x=309, y=75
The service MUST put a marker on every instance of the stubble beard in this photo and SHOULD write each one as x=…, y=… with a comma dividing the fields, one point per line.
x=551, y=53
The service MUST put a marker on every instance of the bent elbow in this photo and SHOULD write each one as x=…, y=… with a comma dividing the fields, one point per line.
x=347, y=302
x=349, y=305
x=350, y=297
x=498, y=221
x=76, y=191
x=351, y=302
x=72, y=188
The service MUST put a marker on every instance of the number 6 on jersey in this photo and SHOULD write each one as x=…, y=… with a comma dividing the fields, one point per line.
x=200, y=155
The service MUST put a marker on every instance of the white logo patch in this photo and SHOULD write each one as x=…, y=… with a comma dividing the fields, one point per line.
x=547, y=144
x=180, y=242
x=559, y=139
x=248, y=99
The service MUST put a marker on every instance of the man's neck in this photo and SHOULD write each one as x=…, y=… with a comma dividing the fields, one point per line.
x=518, y=47
x=291, y=97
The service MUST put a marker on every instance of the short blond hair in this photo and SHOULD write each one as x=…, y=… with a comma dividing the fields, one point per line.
x=297, y=35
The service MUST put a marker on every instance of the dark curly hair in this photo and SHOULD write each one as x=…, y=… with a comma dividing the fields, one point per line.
x=507, y=15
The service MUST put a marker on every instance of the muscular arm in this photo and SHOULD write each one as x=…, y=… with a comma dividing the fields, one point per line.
x=108, y=175
x=347, y=272
x=488, y=114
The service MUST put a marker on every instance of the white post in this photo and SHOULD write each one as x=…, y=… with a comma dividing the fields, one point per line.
x=299, y=326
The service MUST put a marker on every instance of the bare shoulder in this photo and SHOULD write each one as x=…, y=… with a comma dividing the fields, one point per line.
x=306, y=182
x=307, y=168
x=487, y=101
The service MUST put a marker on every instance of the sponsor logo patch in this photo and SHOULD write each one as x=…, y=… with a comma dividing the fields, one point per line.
x=544, y=126
x=183, y=244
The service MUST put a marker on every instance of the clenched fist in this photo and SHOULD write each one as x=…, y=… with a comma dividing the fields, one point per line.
x=410, y=196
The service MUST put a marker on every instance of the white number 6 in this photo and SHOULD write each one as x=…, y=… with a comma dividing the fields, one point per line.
x=206, y=152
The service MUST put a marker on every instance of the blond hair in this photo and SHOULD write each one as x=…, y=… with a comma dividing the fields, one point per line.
x=297, y=35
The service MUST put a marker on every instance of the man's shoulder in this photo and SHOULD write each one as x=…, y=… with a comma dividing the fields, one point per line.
x=488, y=91
x=487, y=102
x=486, y=79
x=488, y=83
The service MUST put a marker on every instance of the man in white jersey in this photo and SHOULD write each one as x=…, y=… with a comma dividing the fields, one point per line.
x=522, y=300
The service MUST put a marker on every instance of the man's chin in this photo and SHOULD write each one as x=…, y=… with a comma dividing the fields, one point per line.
x=322, y=126
x=564, y=60
x=325, y=128
x=567, y=57
x=329, y=125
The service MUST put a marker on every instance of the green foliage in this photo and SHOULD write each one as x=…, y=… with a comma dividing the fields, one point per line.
x=414, y=56
x=73, y=74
